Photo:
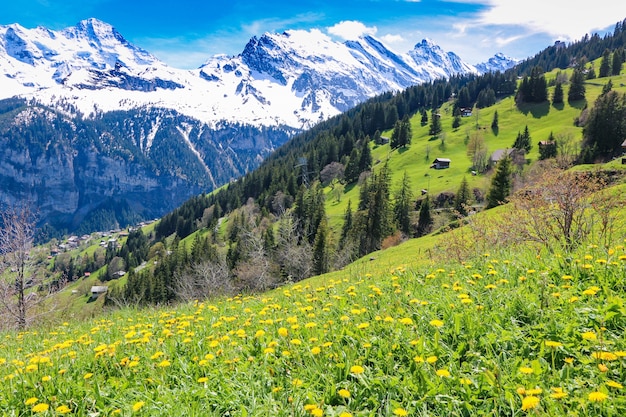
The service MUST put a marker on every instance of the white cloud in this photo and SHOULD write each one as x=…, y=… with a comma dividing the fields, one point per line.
x=569, y=20
x=351, y=29
x=389, y=38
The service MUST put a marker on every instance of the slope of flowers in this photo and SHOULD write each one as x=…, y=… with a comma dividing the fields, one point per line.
x=506, y=337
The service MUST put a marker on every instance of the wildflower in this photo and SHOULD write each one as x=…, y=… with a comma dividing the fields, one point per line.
x=88, y=375
x=614, y=384
x=418, y=359
x=589, y=336
x=602, y=367
x=534, y=391
x=345, y=414
x=259, y=333
x=406, y=320
x=530, y=402
x=344, y=393
x=436, y=323
x=604, y=356
x=558, y=393
x=31, y=401
x=315, y=350
x=465, y=381
x=443, y=373
x=400, y=412
x=317, y=412
x=526, y=370
x=40, y=408
x=63, y=409
x=164, y=364
x=283, y=332
x=138, y=405
x=297, y=382
x=46, y=378
x=431, y=359
x=597, y=396
x=203, y=379
x=357, y=369
x=553, y=344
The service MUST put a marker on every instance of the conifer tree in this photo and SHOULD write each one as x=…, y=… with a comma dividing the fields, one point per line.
x=435, y=124
x=494, y=123
x=425, y=221
x=402, y=205
x=320, y=249
x=577, y=86
x=557, y=96
x=347, y=225
x=605, y=64
x=618, y=60
x=500, y=183
x=462, y=198
x=522, y=142
x=424, y=118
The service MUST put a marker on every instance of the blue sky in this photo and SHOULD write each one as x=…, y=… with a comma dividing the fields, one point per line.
x=185, y=33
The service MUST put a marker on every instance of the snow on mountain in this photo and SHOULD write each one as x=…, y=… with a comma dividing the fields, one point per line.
x=293, y=79
x=498, y=62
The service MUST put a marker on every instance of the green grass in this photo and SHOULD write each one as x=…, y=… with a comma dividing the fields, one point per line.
x=400, y=333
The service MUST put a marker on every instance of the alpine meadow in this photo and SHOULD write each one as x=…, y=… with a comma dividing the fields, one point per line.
x=457, y=248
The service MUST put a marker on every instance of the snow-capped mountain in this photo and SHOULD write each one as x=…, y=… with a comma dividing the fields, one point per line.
x=498, y=62
x=293, y=79
x=91, y=123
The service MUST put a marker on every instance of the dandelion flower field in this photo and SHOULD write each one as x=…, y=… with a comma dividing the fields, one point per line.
x=499, y=337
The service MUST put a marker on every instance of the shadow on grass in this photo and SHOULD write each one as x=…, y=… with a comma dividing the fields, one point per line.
x=537, y=110
x=578, y=104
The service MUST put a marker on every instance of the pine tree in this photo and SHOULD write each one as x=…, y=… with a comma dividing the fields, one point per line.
x=618, y=60
x=320, y=249
x=347, y=225
x=424, y=118
x=462, y=198
x=577, y=86
x=605, y=65
x=500, y=183
x=435, y=124
x=351, y=173
x=494, y=122
x=425, y=221
x=365, y=156
x=557, y=96
x=523, y=141
x=402, y=205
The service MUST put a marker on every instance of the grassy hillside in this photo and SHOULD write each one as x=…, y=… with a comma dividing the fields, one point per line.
x=541, y=119
x=510, y=332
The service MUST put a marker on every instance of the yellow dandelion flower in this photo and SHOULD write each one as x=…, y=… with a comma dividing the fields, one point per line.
x=345, y=414
x=597, y=396
x=604, y=356
x=400, y=412
x=614, y=384
x=283, y=332
x=344, y=393
x=553, y=344
x=602, y=367
x=138, y=405
x=526, y=370
x=31, y=401
x=530, y=402
x=203, y=379
x=164, y=364
x=46, y=378
x=315, y=350
x=521, y=390
x=465, y=381
x=444, y=373
x=558, y=393
x=406, y=320
x=431, y=359
x=418, y=359
x=534, y=391
x=88, y=375
x=436, y=323
x=317, y=412
x=63, y=409
x=40, y=408
x=357, y=369
x=297, y=382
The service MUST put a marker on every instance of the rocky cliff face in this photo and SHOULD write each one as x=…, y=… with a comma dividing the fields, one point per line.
x=150, y=161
